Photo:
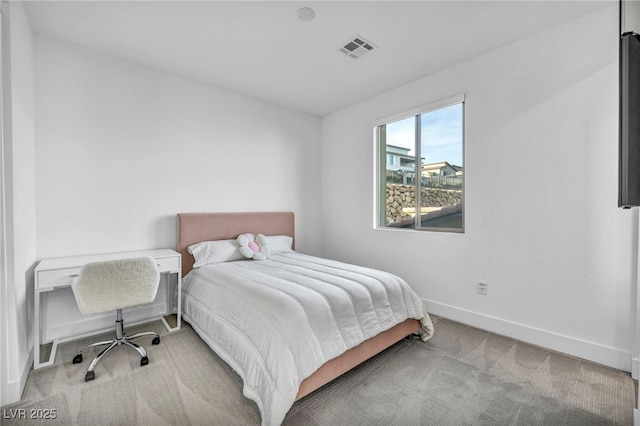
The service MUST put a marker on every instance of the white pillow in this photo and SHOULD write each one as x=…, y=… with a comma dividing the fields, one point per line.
x=279, y=243
x=214, y=252
x=253, y=246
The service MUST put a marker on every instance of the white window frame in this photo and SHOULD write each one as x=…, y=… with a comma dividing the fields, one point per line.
x=424, y=109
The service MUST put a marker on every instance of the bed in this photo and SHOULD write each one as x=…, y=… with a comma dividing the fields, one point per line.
x=259, y=316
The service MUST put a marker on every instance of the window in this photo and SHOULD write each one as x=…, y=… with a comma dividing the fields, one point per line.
x=429, y=142
x=391, y=160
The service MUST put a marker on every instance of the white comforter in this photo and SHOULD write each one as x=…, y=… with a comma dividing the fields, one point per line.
x=277, y=321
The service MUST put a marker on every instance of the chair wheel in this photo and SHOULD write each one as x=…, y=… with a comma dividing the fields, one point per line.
x=89, y=376
x=156, y=340
x=77, y=359
x=144, y=361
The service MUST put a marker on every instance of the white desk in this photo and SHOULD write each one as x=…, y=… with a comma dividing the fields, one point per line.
x=56, y=273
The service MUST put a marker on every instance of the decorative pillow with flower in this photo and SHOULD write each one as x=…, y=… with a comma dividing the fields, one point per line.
x=253, y=246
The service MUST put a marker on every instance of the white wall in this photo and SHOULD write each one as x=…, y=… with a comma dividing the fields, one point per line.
x=17, y=307
x=542, y=224
x=122, y=148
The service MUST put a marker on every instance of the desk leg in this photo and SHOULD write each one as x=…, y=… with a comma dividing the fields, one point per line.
x=37, y=332
x=179, y=321
x=170, y=300
x=179, y=310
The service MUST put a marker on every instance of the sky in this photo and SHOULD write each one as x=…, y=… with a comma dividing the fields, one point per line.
x=441, y=135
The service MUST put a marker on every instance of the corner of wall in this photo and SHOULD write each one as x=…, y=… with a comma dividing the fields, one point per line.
x=17, y=210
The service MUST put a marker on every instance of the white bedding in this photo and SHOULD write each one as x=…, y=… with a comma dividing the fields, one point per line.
x=276, y=321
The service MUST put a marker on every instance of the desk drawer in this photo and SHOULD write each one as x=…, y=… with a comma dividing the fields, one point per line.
x=56, y=277
x=166, y=264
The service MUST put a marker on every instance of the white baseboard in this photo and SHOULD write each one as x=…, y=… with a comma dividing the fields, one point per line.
x=591, y=351
x=635, y=368
x=16, y=387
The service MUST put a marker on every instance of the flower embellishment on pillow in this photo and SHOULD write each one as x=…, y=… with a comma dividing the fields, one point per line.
x=253, y=247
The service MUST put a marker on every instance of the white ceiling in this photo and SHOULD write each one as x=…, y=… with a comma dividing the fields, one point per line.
x=263, y=50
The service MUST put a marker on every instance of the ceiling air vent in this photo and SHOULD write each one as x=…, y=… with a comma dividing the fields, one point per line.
x=357, y=47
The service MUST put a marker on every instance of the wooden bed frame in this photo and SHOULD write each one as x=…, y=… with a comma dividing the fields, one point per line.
x=197, y=227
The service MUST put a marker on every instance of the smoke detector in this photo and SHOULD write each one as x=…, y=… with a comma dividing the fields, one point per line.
x=357, y=46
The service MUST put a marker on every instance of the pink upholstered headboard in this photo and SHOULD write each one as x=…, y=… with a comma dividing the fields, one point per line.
x=197, y=227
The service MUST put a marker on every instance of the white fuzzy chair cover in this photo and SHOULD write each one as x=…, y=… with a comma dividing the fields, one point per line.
x=116, y=284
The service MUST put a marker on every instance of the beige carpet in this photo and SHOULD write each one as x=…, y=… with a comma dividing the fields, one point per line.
x=463, y=376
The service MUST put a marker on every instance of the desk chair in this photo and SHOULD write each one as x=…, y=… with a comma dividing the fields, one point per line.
x=112, y=286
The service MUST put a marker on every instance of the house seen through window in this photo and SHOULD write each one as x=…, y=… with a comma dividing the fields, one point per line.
x=420, y=175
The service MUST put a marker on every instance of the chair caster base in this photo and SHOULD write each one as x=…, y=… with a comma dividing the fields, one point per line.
x=156, y=341
x=89, y=376
x=77, y=359
x=144, y=360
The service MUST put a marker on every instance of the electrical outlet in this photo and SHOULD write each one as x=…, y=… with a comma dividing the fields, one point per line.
x=482, y=288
